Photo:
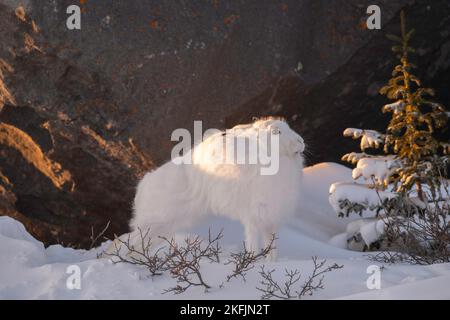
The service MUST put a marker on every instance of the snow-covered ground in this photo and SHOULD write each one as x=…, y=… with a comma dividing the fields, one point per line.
x=29, y=271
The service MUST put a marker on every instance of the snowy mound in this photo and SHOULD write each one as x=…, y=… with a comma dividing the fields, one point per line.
x=30, y=271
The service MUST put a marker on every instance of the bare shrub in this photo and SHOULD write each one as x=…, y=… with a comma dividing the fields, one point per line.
x=271, y=289
x=183, y=262
x=243, y=261
x=94, y=238
x=420, y=238
x=417, y=232
x=154, y=262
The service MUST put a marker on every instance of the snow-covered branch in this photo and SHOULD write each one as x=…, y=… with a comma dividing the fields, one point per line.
x=395, y=107
x=354, y=157
x=377, y=168
x=347, y=197
x=369, y=138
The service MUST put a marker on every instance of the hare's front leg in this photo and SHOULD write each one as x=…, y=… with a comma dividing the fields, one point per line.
x=251, y=238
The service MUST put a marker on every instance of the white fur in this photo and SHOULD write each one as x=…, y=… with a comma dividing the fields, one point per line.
x=175, y=197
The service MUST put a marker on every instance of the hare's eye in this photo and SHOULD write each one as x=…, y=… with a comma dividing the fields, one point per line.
x=276, y=131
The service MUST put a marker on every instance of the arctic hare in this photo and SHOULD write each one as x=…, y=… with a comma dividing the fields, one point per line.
x=177, y=196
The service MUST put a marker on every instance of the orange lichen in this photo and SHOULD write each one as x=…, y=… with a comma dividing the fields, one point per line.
x=215, y=3
x=362, y=25
x=231, y=19
x=20, y=14
x=154, y=24
x=29, y=44
x=35, y=27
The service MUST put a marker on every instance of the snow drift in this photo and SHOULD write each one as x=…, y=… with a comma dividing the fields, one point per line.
x=30, y=271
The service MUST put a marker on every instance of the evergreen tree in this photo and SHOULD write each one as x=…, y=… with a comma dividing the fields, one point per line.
x=414, y=121
x=413, y=156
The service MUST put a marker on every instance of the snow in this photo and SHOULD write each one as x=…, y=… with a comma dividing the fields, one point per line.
x=435, y=288
x=369, y=138
x=377, y=168
x=30, y=271
x=357, y=193
x=395, y=107
x=371, y=229
x=354, y=157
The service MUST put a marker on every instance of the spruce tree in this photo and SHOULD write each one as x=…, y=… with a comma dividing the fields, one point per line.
x=413, y=156
x=415, y=118
x=400, y=192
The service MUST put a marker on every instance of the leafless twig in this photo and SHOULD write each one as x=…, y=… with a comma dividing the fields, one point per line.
x=156, y=262
x=273, y=290
x=183, y=261
x=94, y=238
x=417, y=235
x=245, y=260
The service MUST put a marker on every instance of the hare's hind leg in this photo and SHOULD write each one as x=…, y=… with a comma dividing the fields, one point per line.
x=251, y=238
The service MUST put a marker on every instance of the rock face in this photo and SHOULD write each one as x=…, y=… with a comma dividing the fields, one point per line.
x=91, y=110
x=64, y=169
